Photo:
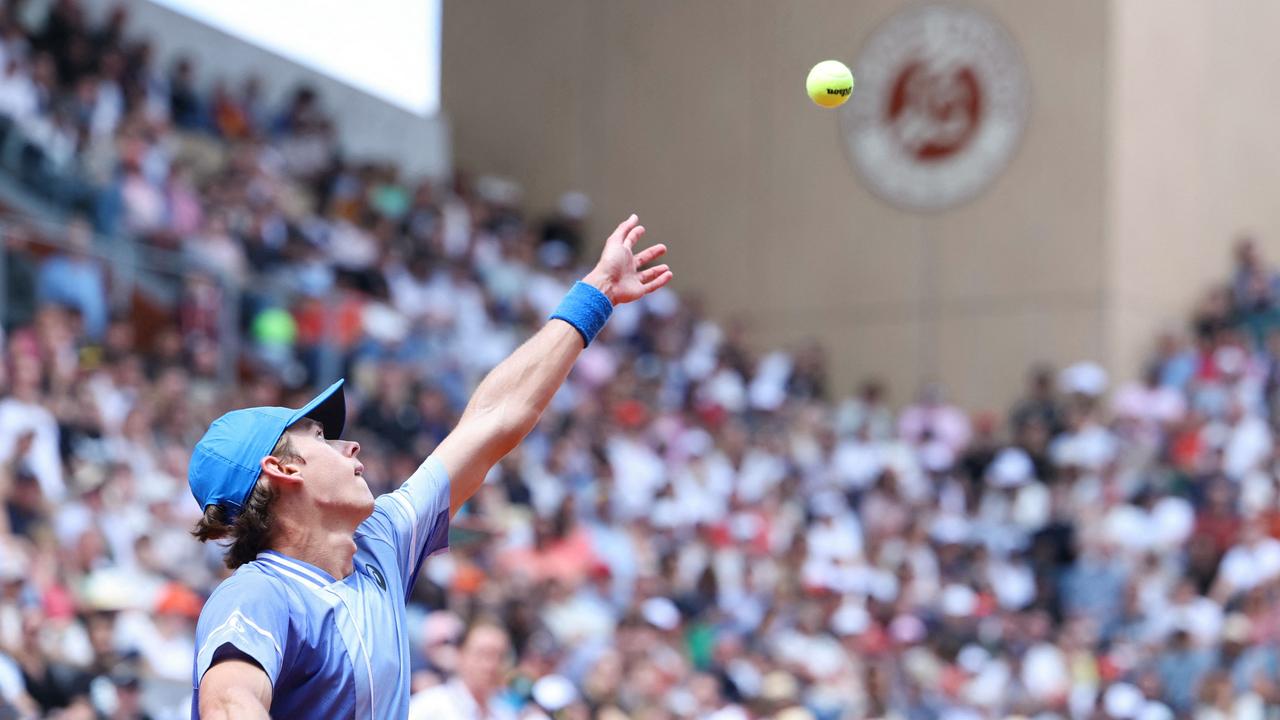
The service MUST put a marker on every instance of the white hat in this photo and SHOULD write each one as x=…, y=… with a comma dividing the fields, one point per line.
x=384, y=323
x=157, y=487
x=1123, y=700
x=1173, y=520
x=695, y=442
x=116, y=589
x=850, y=619
x=949, y=530
x=1230, y=359
x=1237, y=627
x=972, y=658
x=958, y=601
x=661, y=613
x=779, y=685
x=907, y=629
x=936, y=456
x=441, y=626
x=499, y=190
x=1152, y=710
x=14, y=563
x=1085, y=378
x=575, y=204
x=554, y=692
x=1012, y=468
x=828, y=503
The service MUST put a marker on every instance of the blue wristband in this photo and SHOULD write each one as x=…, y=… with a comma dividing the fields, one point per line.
x=586, y=309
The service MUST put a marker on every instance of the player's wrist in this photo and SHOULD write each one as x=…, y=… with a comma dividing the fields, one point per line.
x=587, y=308
x=601, y=281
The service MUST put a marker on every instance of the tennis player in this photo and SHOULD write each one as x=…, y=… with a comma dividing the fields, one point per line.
x=312, y=622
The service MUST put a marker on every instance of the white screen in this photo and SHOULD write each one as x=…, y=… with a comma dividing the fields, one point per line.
x=388, y=48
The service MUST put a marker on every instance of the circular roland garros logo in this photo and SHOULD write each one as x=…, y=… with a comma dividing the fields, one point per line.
x=940, y=105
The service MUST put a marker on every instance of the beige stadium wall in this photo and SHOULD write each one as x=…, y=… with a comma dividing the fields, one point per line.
x=1136, y=167
x=1194, y=158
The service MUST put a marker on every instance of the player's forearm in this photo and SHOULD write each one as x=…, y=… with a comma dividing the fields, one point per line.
x=508, y=403
x=514, y=394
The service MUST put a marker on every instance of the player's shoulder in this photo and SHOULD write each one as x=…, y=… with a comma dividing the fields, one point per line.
x=253, y=574
x=251, y=602
x=250, y=582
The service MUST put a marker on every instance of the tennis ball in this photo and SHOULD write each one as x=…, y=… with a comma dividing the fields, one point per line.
x=829, y=83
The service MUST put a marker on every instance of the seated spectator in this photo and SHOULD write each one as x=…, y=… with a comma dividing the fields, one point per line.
x=1150, y=406
x=930, y=418
x=870, y=409
x=75, y=278
x=185, y=106
x=1039, y=404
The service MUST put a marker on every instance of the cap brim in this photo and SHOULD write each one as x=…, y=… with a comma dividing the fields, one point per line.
x=329, y=408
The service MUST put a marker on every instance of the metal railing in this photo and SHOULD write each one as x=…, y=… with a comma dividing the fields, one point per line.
x=136, y=267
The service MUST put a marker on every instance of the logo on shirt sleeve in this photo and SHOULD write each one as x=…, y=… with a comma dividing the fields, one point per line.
x=377, y=575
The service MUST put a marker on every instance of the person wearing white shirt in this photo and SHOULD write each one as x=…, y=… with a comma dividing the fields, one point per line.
x=1254, y=561
x=1248, y=444
x=17, y=93
x=29, y=432
x=1149, y=405
x=472, y=693
x=930, y=418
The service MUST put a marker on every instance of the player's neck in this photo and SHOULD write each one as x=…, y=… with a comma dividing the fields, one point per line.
x=329, y=550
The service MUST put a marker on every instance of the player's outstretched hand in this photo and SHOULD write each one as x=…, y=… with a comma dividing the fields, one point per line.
x=621, y=273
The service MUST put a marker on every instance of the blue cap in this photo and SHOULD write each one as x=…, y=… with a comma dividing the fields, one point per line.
x=227, y=461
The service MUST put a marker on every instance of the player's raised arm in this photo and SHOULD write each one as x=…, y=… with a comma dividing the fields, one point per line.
x=508, y=402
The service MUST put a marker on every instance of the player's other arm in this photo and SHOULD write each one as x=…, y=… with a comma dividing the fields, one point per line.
x=508, y=402
x=235, y=690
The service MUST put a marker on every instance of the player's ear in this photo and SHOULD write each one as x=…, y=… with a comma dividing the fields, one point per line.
x=281, y=472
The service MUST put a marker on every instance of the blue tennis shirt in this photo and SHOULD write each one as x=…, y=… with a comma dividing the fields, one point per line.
x=332, y=648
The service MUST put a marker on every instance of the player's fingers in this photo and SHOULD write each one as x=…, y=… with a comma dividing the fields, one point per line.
x=649, y=254
x=661, y=280
x=633, y=236
x=648, y=276
x=623, y=228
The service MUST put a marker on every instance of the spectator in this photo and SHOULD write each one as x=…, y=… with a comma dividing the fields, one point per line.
x=19, y=280
x=473, y=693
x=932, y=419
x=1039, y=405
x=1182, y=668
x=75, y=278
x=1149, y=406
x=869, y=409
x=185, y=105
x=18, y=99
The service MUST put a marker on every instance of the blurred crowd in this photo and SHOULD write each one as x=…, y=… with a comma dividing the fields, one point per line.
x=696, y=529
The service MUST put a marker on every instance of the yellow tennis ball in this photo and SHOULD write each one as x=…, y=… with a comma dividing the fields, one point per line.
x=829, y=83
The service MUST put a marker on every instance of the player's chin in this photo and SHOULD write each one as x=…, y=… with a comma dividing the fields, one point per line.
x=363, y=489
x=364, y=505
x=361, y=495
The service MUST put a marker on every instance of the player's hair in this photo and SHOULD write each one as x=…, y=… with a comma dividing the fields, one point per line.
x=250, y=531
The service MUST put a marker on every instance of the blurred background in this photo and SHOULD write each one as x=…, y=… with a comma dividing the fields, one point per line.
x=959, y=407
